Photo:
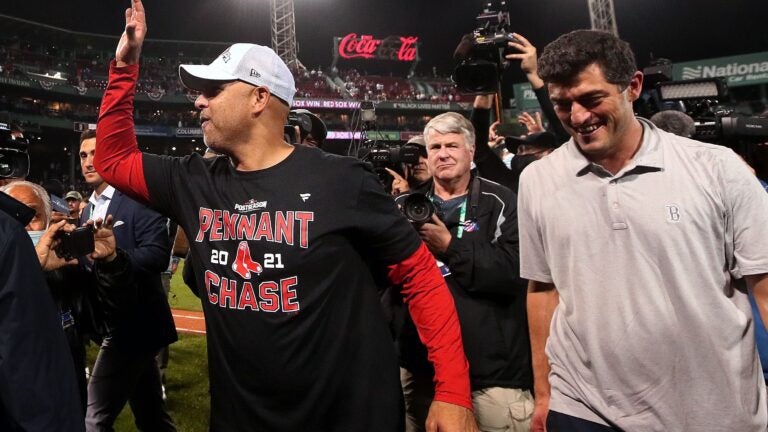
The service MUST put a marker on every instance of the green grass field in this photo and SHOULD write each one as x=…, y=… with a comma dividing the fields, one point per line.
x=186, y=382
x=181, y=296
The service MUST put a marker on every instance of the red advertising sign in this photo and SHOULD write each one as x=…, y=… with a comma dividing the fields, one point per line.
x=402, y=48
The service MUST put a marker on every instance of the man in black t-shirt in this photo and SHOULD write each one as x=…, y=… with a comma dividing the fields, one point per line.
x=279, y=236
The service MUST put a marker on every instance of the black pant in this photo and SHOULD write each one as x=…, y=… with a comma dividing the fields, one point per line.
x=559, y=422
x=126, y=375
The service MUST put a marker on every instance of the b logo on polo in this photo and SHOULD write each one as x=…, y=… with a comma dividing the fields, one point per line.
x=673, y=213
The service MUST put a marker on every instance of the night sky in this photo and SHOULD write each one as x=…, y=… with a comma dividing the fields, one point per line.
x=680, y=30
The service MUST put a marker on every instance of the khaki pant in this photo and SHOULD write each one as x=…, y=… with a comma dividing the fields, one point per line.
x=499, y=409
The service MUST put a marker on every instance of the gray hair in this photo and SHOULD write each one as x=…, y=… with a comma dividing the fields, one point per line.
x=676, y=122
x=451, y=122
x=38, y=190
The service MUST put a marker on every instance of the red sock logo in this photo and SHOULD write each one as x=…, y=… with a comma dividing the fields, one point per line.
x=243, y=264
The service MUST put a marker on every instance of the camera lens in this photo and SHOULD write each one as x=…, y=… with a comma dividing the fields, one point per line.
x=418, y=208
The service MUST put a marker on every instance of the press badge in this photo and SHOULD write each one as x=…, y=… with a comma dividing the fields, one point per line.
x=67, y=320
x=444, y=269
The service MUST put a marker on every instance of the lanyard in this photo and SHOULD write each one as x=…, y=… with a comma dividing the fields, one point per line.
x=462, y=216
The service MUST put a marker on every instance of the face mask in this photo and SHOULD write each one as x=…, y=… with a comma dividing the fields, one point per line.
x=35, y=236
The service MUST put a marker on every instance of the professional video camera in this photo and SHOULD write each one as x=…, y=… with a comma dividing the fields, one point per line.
x=387, y=154
x=295, y=119
x=14, y=154
x=706, y=101
x=481, y=54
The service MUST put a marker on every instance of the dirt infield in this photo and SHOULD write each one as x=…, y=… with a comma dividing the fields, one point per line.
x=189, y=321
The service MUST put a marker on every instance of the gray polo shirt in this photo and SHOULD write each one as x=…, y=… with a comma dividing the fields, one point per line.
x=649, y=334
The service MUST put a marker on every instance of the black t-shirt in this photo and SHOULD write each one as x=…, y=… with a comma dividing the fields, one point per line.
x=297, y=339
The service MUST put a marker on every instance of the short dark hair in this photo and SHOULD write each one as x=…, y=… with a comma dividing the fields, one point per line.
x=566, y=57
x=87, y=134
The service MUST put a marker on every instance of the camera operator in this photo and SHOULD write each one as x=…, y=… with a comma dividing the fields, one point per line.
x=14, y=149
x=67, y=282
x=38, y=390
x=527, y=149
x=473, y=235
x=529, y=65
x=416, y=175
x=306, y=128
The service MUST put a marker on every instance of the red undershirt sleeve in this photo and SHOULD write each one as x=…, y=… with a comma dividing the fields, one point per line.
x=118, y=159
x=434, y=314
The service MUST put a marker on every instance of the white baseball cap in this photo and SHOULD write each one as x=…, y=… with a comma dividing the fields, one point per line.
x=254, y=64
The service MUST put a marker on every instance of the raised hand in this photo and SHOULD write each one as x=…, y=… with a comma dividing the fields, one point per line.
x=129, y=47
x=527, y=57
x=104, y=243
x=399, y=183
x=532, y=124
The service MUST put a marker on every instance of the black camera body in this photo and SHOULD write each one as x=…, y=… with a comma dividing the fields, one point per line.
x=481, y=55
x=297, y=119
x=14, y=154
x=417, y=208
x=76, y=243
x=388, y=155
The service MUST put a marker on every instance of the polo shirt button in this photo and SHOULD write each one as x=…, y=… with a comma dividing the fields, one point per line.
x=615, y=205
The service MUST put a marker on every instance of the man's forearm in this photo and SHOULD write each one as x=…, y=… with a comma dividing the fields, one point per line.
x=434, y=314
x=118, y=158
x=541, y=304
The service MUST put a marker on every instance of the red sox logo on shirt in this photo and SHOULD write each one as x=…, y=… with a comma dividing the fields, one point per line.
x=244, y=264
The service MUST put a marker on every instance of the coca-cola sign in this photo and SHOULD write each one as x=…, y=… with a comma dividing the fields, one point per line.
x=402, y=48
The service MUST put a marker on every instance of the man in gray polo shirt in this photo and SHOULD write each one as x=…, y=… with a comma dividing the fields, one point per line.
x=633, y=240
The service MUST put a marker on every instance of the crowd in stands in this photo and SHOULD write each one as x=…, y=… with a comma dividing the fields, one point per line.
x=86, y=69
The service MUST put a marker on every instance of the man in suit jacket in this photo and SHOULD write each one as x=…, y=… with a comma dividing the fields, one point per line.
x=125, y=369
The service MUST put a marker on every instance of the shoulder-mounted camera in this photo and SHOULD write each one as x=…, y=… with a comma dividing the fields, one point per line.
x=481, y=54
x=14, y=154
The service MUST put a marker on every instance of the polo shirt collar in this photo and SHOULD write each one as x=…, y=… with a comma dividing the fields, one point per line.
x=650, y=155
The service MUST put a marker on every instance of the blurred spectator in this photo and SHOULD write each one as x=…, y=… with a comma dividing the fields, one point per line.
x=675, y=122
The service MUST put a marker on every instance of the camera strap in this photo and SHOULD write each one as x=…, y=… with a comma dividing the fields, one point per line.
x=474, y=198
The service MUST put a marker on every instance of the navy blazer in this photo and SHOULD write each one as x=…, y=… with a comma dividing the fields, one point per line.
x=143, y=234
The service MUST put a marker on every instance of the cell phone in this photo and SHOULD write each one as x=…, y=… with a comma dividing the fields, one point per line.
x=76, y=243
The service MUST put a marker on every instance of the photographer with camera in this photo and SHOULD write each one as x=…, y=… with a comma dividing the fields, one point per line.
x=473, y=235
x=14, y=154
x=58, y=247
x=305, y=128
x=415, y=175
x=38, y=388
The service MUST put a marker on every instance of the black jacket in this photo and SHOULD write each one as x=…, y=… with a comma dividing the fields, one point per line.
x=487, y=289
x=38, y=391
x=146, y=322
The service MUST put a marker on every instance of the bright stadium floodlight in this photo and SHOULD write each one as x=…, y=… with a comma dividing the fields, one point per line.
x=707, y=88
